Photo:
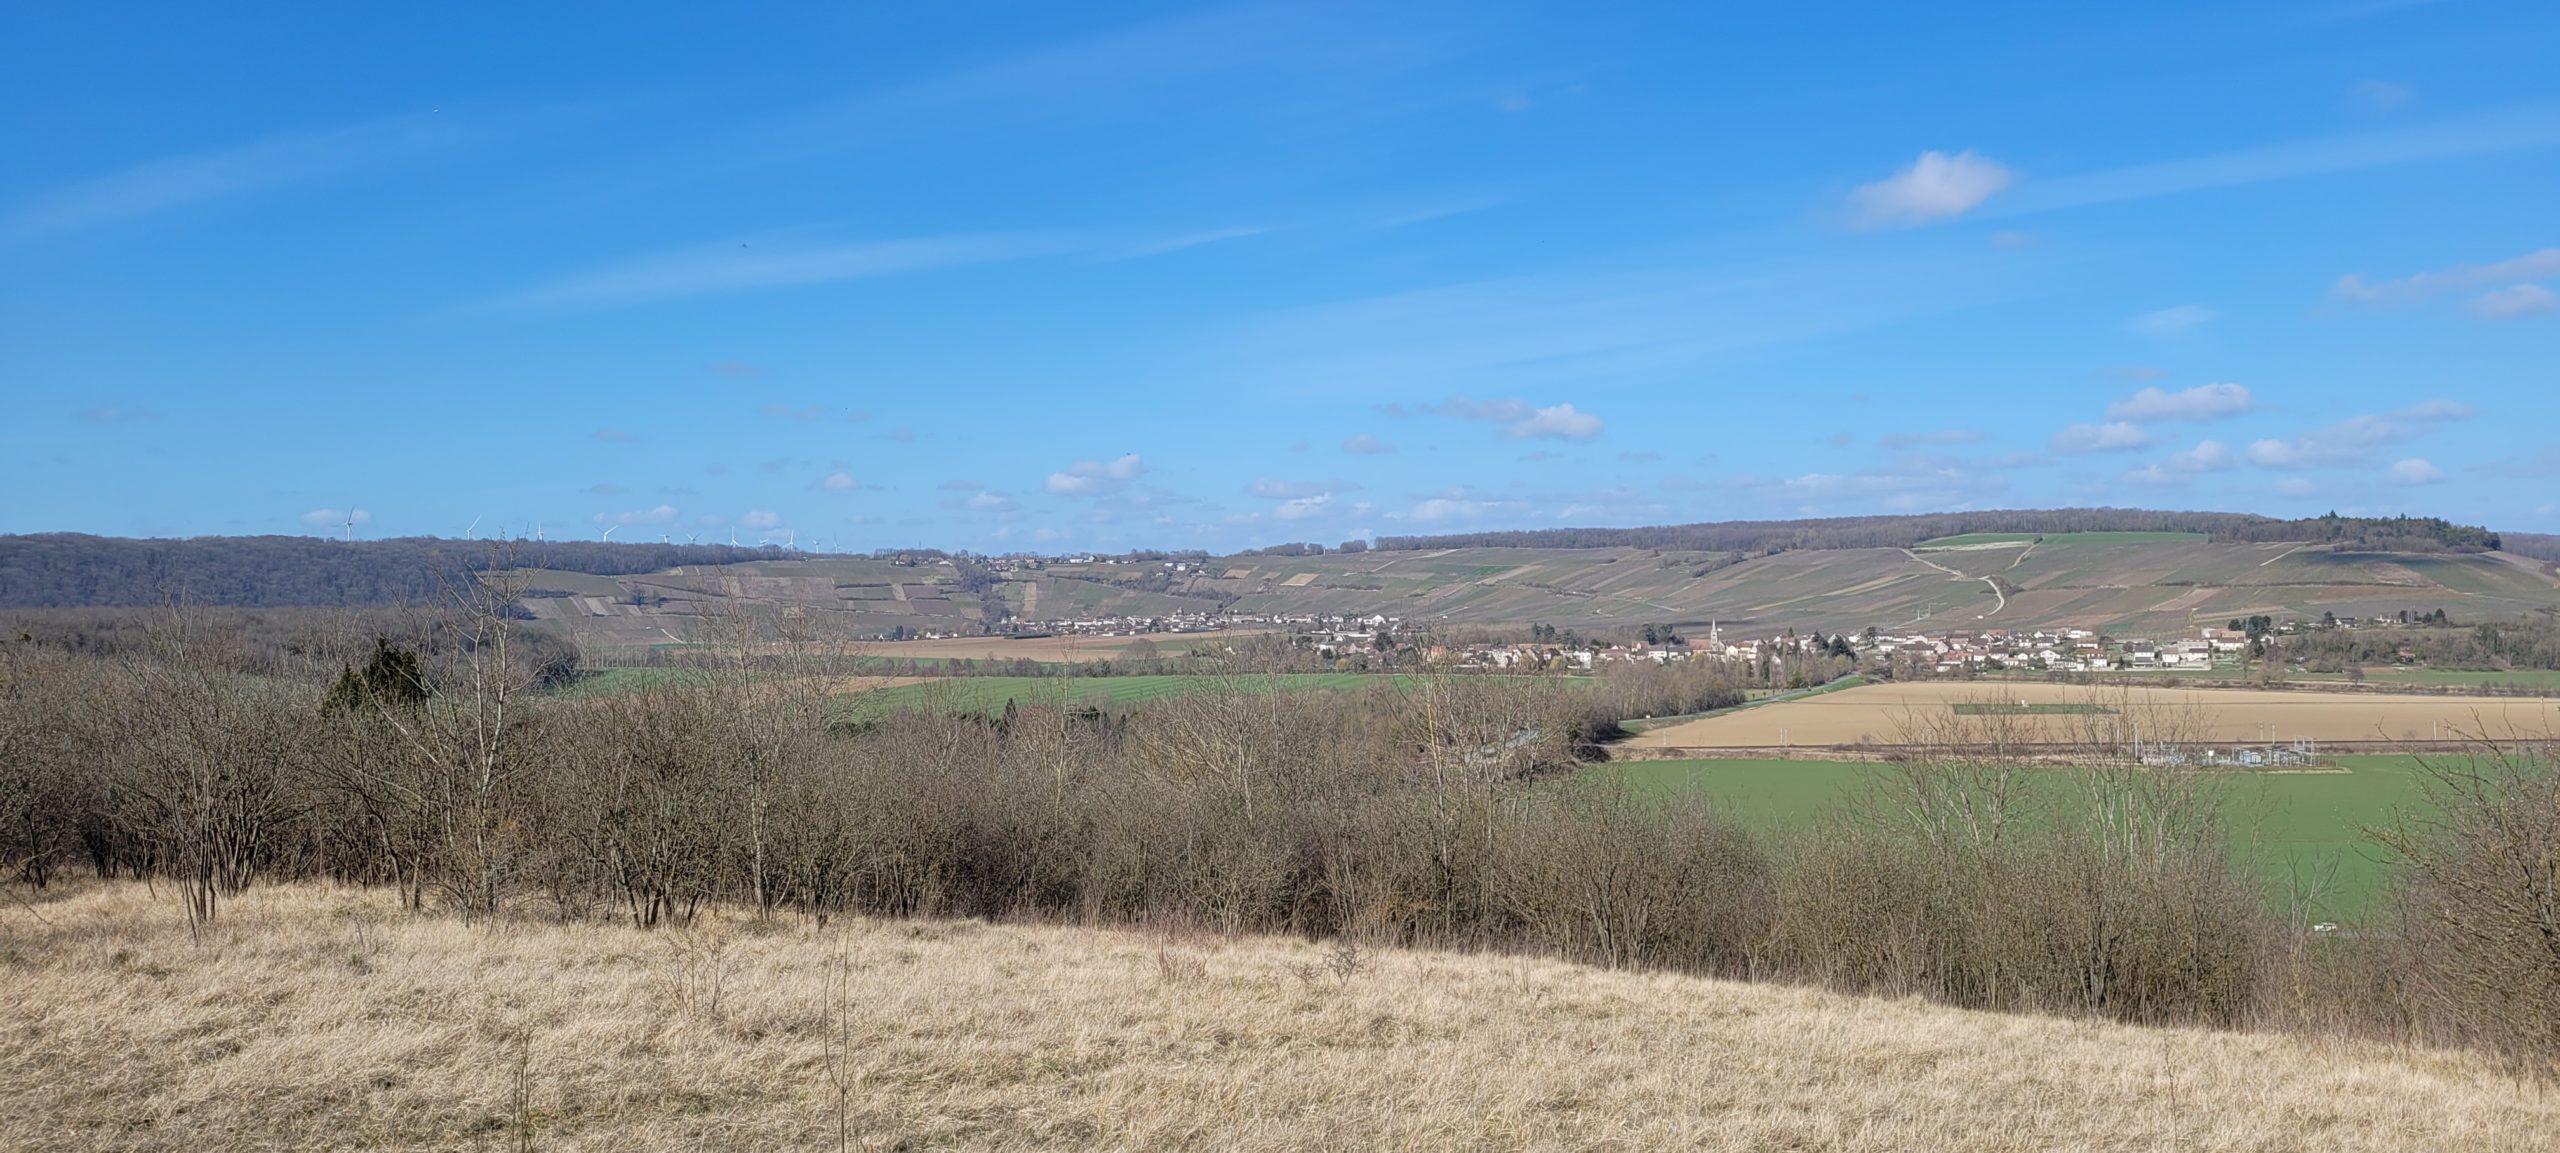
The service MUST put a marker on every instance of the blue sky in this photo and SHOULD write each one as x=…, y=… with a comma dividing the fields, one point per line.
x=1064, y=276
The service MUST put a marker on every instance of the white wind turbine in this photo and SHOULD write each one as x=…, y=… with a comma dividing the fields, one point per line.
x=608, y=532
x=351, y=520
x=475, y=524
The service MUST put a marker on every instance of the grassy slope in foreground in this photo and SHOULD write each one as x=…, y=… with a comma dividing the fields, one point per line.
x=316, y=1017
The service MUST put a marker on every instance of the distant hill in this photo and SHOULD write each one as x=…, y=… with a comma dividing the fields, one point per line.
x=2163, y=573
x=2374, y=534
x=75, y=570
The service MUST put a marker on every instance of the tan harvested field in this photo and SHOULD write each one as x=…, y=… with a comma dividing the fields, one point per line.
x=323, y=1018
x=1036, y=648
x=1882, y=714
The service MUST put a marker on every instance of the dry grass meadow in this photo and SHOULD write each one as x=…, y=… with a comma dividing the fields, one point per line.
x=317, y=1017
x=1881, y=713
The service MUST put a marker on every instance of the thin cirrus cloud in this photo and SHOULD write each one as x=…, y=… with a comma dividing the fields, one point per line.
x=1520, y=420
x=743, y=266
x=2355, y=439
x=2112, y=436
x=177, y=182
x=2510, y=293
x=2514, y=301
x=1935, y=187
x=2173, y=320
x=2512, y=130
x=2203, y=402
x=1363, y=444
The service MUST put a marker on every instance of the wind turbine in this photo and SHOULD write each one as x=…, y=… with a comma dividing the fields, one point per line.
x=475, y=523
x=608, y=532
x=791, y=539
x=351, y=521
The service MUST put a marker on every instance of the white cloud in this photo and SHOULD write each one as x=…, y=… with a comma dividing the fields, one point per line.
x=2174, y=320
x=1521, y=420
x=986, y=502
x=2113, y=436
x=336, y=518
x=761, y=518
x=662, y=514
x=1556, y=422
x=2206, y=456
x=1935, y=187
x=1940, y=436
x=838, y=482
x=1087, y=477
x=2415, y=471
x=2353, y=439
x=1303, y=507
x=1364, y=444
x=2203, y=402
x=2515, y=300
x=2354, y=288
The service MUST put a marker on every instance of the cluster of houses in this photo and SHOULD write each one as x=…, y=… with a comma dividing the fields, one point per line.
x=1953, y=653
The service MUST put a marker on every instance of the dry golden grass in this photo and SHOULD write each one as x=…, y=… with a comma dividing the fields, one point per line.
x=1878, y=713
x=325, y=1018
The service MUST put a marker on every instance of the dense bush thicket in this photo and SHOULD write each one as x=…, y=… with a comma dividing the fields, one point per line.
x=1425, y=810
x=2382, y=534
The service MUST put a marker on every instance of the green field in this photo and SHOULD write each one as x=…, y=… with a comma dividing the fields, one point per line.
x=2284, y=823
x=1976, y=538
x=989, y=694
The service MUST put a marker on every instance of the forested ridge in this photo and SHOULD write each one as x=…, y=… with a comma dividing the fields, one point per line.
x=76, y=570
x=2381, y=534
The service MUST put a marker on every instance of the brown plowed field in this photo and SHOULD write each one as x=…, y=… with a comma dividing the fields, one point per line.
x=1893, y=714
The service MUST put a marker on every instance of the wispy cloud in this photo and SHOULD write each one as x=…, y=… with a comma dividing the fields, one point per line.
x=2354, y=288
x=1938, y=436
x=1182, y=241
x=2203, y=402
x=1520, y=419
x=2354, y=439
x=1363, y=444
x=1094, y=477
x=2173, y=320
x=1935, y=187
x=2514, y=130
x=2113, y=436
x=2514, y=301
x=741, y=266
x=195, y=178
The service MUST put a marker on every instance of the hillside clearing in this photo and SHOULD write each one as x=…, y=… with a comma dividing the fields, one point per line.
x=314, y=1017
